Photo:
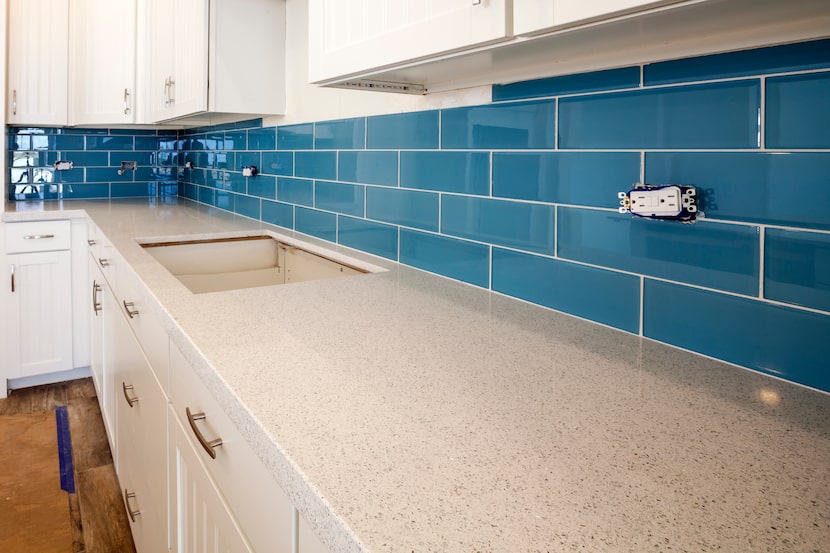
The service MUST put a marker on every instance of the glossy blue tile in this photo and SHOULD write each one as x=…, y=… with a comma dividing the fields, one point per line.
x=345, y=134
x=782, y=341
x=462, y=172
x=581, y=178
x=719, y=115
x=263, y=186
x=278, y=213
x=520, y=225
x=143, y=159
x=457, y=259
x=19, y=142
x=191, y=192
x=316, y=223
x=753, y=187
x=262, y=139
x=236, y=140
x=316, y=165
x=132, y=189
x=76, y=175
x=146, y=143
x=277, y=163
x=207, y=195
x=339, y=197
x=368, y=167
x=102, y=143
x=513, y=125
x=246, y=159
x=416, y=131
x=797, y=111
x=295, y=191
x=595, y=294
x=85, y=159
x=595, y=81
x=715, y=255
x=231, y=181
x=295, y=137
x=375, y=238
x=247, y=206
x=774, y=59
x=168, y=188
x=223, y=199
x=403, y=207
x=146, y=174
x=797, y=267
x=84, y=191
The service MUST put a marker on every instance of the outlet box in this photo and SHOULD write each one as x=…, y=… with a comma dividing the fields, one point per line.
x=670, y=202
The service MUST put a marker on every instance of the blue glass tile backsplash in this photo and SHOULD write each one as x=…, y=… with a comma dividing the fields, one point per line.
x=520, y=195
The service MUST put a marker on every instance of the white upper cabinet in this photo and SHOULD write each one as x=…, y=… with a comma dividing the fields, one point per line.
x=351, y=36
x=215, y=57
x=38, y=37
x=532, y=16
x=102, y=62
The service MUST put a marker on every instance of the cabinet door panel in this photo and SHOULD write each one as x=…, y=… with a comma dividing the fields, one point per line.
x=161, y=34
x=534, y=16
x=191, y=55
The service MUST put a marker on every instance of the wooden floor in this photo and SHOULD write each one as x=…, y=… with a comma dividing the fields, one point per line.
x=99, y=521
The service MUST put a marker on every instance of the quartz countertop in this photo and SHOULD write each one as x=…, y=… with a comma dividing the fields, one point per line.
x=405, y=412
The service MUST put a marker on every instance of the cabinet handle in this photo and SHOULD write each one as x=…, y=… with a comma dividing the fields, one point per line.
x=91, y=242
x=167, y=92
x=129, y=388
x=127, y=497
x=172, y=91
x=14, y=102
x=128, y=306
x=96, y=305
x=12, y=267
x=476, y=2
x=104, y=262
x=208, y=445
x=126, y=101
x=38, y=236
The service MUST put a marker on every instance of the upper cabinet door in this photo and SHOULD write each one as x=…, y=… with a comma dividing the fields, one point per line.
x=161, y=63
x=349, y=37
x=535, y=16
x=103, y=53
x=190, y=76
x=38, y=41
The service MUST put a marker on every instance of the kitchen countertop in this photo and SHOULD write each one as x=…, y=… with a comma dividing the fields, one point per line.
x=402, y=411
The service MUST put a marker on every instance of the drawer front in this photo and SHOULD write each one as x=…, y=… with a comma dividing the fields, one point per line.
x=134, y=301
x=37, y=236
x=259, y=505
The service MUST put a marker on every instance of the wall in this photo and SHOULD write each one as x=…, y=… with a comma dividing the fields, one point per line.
x=520, y=196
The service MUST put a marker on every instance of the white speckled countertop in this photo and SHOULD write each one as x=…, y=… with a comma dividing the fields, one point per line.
x=404, y=412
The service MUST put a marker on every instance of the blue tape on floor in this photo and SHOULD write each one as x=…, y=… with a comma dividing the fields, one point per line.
x=65, y=450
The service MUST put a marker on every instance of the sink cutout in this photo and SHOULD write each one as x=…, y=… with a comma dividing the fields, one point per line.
x=231, y=263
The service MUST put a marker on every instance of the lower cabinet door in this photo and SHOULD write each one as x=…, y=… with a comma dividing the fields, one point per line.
x=199, y=519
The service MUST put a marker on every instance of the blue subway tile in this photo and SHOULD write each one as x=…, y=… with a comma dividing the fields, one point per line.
x=223, y=199
x=262, y=139
x=520, y=225
x=339, y=197
x=85, y=159
x=19, y=142
x=146, y=143
x=513, y=125
x=345, y=134
x=368, y=167
x=246, y=159
x=316, y=165
x=102, y=143
x=595, y=294
x=232, y=181
x=403, y=207
x=797, y=267
x=797, y=111
x=749, y=186
x=236, y=140
x=191, y=192
x=782, y=341
x=774, y=59
x=64, y=142
x=132, y=189
x=84, y=191
x=168, y=189
x=75, y=175
x=207, y=195
x=581, y=178
x=719, y=115
x=247, y=206
x=595, y=81
x=145, y=174
x=115, y=158
x=716, y=255
x=295, y=137
x=295, y=191
x=457, y=259
x=462, y=172
x=278, y=163
x=416, y=130
x=278, y=213
x=263, y=186
x=375, y=238
x=316, y=223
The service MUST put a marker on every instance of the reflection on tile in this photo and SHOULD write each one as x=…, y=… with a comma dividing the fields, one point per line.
x=247, y=206
x=463, y=172
x=236, y=140
x=316, y=165
x=368, y=167
x=782, y=341
x=345, y=134
x=595, y=81
x=278, y=163
x=339, y=197
x=403, y=207
x=797, y=111
x=97, y=142
x=316, y=223
x=295, y=137
x=797, y=267
x=263, y=186
x=720, y=115
x=278, y=213
x=520, y=225
x=262, y=139
x=295, y=191
x=514, y=125
x=603, y=296
x=715, y=255
x=464, y=261
x=417, y=130
x=367, y=236
x=132, y=189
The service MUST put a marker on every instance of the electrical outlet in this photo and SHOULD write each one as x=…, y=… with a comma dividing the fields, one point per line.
x=249, y=171
x=64, y=165
x=672, y=202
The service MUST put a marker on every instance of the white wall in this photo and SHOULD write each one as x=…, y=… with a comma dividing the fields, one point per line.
x=306, y=102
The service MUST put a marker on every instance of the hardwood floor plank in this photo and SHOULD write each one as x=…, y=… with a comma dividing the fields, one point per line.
x=19, y=402
x=102, y=510
x=89, y=439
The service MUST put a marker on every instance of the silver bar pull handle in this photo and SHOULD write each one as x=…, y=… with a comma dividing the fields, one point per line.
x=209, y=446
x=103, y=261
x=14, y=102
x=126, y=101
x=129, y=388
x=96, y=305
x=38, y=236
x=127, y=497
x=128, y=306
x=91, y=242
x=172, y=91
x=12, y=267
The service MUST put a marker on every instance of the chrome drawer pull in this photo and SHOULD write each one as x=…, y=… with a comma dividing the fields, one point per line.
x=208, y=445
x=129, y=388
x=38, y=236
x=128, y=305
x=104, y=262
x=91, y=242
x=127, y=497
x=96, y=305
